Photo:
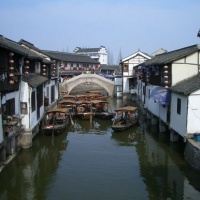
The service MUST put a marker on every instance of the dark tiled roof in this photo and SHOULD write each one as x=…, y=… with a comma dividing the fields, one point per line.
x=32, y=47
x=187, y=86
x=70, y=57
x=17, y=48
x=34, y=80
x=109, y=67
x=87, y=50
x=171, y=56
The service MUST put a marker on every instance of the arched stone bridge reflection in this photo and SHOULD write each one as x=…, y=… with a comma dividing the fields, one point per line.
x=107, y=84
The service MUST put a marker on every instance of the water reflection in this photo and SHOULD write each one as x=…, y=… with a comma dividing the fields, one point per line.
x=89, y=161
x=33, y=170
x=97, y=126
x=126, y=138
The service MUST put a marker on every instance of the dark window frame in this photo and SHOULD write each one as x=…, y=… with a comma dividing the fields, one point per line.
x=33, y=103
x=178, y=106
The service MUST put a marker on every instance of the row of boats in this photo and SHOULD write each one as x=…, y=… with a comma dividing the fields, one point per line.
x=86, y=107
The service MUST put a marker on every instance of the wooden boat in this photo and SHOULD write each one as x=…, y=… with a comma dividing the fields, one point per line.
x=125, y=118
x=80, y=97
x=69, y=97
x=96, y=95
x=84, y=110
x=101, y=110
x=56, y=121
x=69, y=104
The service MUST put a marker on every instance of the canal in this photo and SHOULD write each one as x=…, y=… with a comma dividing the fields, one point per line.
x=90, y=162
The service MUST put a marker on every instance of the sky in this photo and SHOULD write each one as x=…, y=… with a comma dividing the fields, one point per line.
x=122, y=26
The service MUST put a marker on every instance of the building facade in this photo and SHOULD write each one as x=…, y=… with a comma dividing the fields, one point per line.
x=99, y=54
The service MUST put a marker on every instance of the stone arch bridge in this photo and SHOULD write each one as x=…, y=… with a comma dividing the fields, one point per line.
x=107, y=84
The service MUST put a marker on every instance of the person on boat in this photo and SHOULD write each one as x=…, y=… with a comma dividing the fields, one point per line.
x=126, y=118
x=99, y=108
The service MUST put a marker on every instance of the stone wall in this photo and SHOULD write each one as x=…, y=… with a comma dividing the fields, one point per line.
x=192, y=154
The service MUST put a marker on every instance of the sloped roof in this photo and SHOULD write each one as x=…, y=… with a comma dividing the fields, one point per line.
x=171, y=56
x=34, y=80
x=187, y=86
x=159, y=51
x=87, y=50
x=70, y=57
x=15, y=47
x=30, y=47
x=108, y=67
x=135, y=54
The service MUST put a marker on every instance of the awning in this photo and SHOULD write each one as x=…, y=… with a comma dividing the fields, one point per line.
x=34, y=80
x=161, y=96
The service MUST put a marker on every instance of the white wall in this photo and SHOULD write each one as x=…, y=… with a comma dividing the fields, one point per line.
x=25, y=97
x=178, y=122
x=125, y=85
x=103, y=56
x=193, y=117
x=184, y=68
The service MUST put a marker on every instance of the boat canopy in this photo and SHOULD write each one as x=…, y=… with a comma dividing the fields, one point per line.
x=61, y=110
x=127, y=108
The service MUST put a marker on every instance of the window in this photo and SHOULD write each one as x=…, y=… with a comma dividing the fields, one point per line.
x=24, y=108
x=40, y=96
x=52, y=93
x=125, y=68
x=178, y=106
x=33, y=101
x=10, y=107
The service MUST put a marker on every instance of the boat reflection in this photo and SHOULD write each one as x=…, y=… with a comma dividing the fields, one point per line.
x=97, y=126
x=127, y=137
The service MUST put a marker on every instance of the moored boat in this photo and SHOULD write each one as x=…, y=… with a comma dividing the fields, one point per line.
x=69, y=97
x=101, y=109
x=84, y=109
x=56, y=121
x=69, y=104
x=96, y=95
x=125, y=118
x=80, y=97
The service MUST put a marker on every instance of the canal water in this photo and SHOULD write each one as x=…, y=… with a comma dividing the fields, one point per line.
x=90, y=162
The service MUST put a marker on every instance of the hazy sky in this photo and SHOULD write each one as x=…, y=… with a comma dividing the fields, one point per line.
x=119, y=25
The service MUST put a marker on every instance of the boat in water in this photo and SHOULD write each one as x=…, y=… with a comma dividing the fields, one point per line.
x=56, y=121
x=100, y=108
x=96, y=95
x=84, y=110
x=125, y=118
x=69, y=104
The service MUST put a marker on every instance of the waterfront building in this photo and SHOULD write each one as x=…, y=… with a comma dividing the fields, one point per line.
x=99, y=54
x=185, y=107
x=129, y=76
x=108, y=71
x=155, y=78
x=27, y=77
x=74, y=64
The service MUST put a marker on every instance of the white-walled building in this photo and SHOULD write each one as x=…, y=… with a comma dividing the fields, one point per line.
x=185, y=106
x=129, y=76
x=99, y=54
x=27, y=77
x=159, y=74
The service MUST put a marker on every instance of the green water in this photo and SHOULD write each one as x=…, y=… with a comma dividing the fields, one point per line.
x=90, y=162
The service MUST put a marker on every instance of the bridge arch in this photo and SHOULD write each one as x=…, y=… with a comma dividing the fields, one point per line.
x=107, y=84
